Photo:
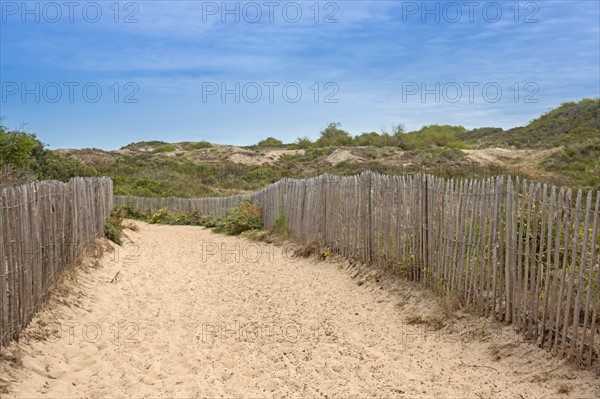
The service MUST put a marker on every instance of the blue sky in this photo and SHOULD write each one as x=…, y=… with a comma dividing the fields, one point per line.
x=171, y=70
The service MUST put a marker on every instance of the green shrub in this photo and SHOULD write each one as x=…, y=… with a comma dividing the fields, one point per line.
x=302, y=143
x=270, y=142
x=179, y=218
x=433, y=135
x=112, y=233
x=20, y=155
x=246, y=216
x=114, y=226
x=262, y=175
x=281, y=226
x=54, y=166
x=211, y=221
x=130, y=212
x=314, y=153
x=164, y=148
x=333, y=136
x=141, y=144
x=198, y=145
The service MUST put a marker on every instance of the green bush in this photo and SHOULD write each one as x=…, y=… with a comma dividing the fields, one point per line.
x=332, y=135
x=375, y=139
x=211, y=221
x=281, y=226
x=579, y=163
x=179, y=218
x=432, y=135
x=170, y=217
x=314, y=153
x=262, y=175
x=198, y=145
x=302, y=143
x=246, y=216
x=112, y=233
x=114, y=226
x=270, y=142
x=20, y=155
x=164, y=148
x=142, y=144
x=128, y=211
x=54, y=166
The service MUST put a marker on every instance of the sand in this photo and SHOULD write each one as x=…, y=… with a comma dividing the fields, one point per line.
x=342, y=155
x=508, y=157
x=173, y=314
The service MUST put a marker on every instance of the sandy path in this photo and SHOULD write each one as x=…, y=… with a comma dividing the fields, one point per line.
x=303, y=329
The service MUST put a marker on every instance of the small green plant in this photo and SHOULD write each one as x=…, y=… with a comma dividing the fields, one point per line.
x=162, y=216
x=164, y=148
x=246, y=216
x=211, y=221
x=114, y=226
x=280, y=226
x=179, y=218
x=132, y=226
x=130, y=212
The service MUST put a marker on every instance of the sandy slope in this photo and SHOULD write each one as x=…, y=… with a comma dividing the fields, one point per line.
x=191, y=324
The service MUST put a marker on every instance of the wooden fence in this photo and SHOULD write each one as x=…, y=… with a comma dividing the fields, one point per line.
x=43, y=227
x=522, y=252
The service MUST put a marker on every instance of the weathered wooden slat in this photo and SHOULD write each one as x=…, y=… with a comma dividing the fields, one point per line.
x=560, y=222
x=573, y=265
x=3, y=275
x=550, y=217
x=539, y=260
x=589, y=305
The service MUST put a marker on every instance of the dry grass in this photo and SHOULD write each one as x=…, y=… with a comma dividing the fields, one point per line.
x=131, y=226
x=88, y=256
x=564, y=389
x=501, y=350
x=266, y=236
x=450, y=303
x=307, y=250
x=415, y=318
x=9, y=359
x=539, y=378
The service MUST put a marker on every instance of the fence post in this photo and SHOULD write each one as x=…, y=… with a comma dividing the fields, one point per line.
x=325, y=187
x=370, y=217
x=425, y=226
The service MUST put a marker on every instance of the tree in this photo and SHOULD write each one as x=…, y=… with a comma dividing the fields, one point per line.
x=398, y=136
x=303, y=143
x=372, y=138
x=23, y=158
x=435, y=135
x=54, y=166
x=270, y=142
x=19, y=153
x=19, y=149
x=332, y=135
x=398, y=128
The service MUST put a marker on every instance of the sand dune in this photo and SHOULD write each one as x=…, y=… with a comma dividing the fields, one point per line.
x=181, y=312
